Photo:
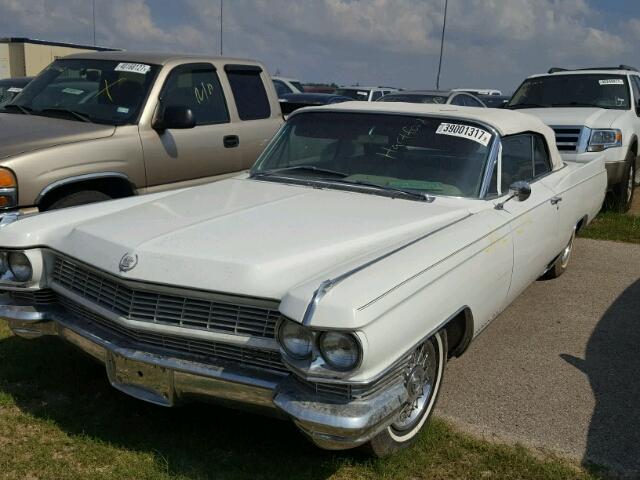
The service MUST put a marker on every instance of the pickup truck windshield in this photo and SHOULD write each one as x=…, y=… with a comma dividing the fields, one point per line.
x=414, y=98
x=423, y=155
x=353, y=93
x=573, y=90
x=99, y=91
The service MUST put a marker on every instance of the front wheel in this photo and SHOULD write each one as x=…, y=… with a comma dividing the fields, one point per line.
x=623, y=192
x=423, y=380
x=81, y=197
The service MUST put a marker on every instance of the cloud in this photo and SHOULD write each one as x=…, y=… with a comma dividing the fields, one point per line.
x=488, y=42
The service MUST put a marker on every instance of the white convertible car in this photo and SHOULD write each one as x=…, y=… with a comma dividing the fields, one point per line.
x=330, y=284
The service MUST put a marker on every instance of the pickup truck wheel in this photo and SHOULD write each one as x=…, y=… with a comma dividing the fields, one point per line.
x=623, y=192
x=423, y=380
x=79, y=198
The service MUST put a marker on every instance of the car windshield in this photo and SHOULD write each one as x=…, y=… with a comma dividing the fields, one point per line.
x=414, y=98
x=422, y=154
x=353, y=93
x=99, y=91
x=573, y=90
x=298, y=85
x=7, y=93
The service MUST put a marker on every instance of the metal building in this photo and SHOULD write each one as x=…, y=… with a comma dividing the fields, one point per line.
x=25, y=57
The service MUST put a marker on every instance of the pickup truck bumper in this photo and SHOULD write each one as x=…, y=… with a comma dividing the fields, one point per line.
x=166, y=380
x=614, y=162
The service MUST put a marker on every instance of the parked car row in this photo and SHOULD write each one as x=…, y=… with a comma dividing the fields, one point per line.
x=331, y=280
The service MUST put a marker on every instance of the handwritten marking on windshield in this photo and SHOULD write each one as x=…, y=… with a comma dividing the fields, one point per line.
x=406, y=133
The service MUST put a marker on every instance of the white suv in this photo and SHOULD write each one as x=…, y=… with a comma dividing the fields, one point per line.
x=593, y=112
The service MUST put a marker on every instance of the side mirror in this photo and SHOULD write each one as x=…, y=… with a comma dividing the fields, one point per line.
x=520, y=190
x=175, y=116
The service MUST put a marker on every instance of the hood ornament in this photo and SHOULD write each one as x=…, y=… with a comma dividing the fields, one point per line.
x=128, y=262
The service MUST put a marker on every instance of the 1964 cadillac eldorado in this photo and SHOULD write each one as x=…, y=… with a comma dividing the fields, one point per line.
x=330, y=284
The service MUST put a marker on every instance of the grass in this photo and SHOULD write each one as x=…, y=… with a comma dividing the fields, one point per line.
x=60, y=419
x=614, y=226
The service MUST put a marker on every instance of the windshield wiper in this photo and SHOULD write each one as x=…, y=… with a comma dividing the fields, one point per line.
x=67, y=111
x=575, y=104
x=311, y=168
x=20, y=108
x=526, y=105
x=390, y=191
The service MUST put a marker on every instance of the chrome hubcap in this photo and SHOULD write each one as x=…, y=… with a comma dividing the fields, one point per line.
x=419, y=382
x=630, y=185
x=566, y=253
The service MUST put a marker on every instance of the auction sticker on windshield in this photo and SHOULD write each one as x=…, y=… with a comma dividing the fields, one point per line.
x=465, y=131
x=133, y=68
x=611, y=81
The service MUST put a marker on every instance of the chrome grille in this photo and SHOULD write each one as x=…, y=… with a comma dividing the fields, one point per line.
x=207, y=350
x=146, y=305
x=567, y=138
x=35, y=297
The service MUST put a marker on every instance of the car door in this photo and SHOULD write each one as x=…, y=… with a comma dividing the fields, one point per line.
x=208, y=149
x=534, y=221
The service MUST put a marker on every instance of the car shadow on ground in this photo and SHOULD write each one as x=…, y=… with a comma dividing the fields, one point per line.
x=612, y=364
x=51, y=380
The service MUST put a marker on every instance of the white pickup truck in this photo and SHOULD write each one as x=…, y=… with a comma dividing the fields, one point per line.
x=593, y=112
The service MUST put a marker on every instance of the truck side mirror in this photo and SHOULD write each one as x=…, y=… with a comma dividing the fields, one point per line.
x=175, y=116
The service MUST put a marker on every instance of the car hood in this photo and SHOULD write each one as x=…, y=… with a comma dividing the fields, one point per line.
x=590, y=117
x=241, y=236
x=26, y=133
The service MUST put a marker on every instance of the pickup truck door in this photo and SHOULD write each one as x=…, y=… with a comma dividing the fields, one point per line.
x=257, y=118
x=533, y=222
x=208, y=149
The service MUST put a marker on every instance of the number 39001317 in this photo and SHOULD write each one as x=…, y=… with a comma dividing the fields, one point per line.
x=465, y=131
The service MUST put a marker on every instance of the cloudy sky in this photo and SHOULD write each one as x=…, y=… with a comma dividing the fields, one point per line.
x=489, y=43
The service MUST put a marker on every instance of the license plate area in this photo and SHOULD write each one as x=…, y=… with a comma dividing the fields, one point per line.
x=141, y=380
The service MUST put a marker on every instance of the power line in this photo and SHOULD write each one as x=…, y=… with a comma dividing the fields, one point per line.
x=444, y=24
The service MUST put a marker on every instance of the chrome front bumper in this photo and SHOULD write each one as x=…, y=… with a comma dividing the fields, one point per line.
x=167, y=381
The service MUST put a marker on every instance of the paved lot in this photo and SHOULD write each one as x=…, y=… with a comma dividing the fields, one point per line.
x=560, y=368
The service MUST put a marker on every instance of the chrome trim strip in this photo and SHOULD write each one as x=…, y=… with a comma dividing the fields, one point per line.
x=79, y=178
x=326, y=285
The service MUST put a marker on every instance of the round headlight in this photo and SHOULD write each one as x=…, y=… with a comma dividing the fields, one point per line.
x=20, y=266
x=295, y=339
x=340, y=350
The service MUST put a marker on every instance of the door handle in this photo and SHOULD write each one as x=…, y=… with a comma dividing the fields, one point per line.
x=555, y=200
x=230, y=141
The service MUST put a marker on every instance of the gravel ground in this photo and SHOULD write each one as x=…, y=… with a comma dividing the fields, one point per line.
x=560, y=368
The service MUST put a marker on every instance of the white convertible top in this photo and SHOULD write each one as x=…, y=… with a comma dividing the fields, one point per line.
x=506, y=122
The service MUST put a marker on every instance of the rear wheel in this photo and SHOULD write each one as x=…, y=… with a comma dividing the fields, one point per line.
x=79, y=198
x=623, y=192
x=423, y=380
x=562, y=262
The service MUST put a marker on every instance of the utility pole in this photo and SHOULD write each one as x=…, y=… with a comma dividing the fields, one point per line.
x=444, y=24
x=94, y=23
x=221, y=2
